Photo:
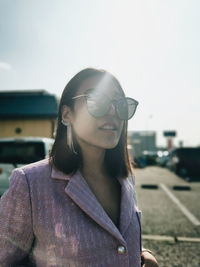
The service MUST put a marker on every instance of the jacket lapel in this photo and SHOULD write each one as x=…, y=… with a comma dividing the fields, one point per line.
x=127, y=204
x=78, y=190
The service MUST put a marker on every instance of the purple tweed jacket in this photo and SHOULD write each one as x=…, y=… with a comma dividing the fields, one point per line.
x=57, y=220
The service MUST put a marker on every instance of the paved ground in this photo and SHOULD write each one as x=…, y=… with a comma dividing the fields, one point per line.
x=175, y=254
x=162, y=216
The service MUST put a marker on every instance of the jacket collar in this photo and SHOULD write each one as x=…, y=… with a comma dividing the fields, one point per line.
x=78, y=190
x=128, y=204
x=56, y=174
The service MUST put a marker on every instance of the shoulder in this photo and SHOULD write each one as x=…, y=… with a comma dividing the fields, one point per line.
x=42, y=165
x=26, y=180
x=34, y=170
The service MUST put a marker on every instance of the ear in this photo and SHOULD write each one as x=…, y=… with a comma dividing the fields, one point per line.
x=66, y=114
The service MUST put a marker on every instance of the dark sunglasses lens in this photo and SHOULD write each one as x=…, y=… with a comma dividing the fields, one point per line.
x=126, y=108
x=97, y=107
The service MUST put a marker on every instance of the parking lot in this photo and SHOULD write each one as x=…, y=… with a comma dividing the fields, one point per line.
x=170, y=216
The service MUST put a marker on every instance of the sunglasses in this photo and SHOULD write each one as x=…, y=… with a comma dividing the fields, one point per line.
x=99, y=105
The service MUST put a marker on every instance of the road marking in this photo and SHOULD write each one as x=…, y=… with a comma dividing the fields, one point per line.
x=158, y=237
x=184, y=210
x=171, y=238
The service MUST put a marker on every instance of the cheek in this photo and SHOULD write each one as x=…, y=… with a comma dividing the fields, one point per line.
x=84, y=124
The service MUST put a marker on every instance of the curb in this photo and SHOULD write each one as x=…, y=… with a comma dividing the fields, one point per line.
x=171, y=238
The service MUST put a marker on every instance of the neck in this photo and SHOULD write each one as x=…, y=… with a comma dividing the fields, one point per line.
x=93, y=161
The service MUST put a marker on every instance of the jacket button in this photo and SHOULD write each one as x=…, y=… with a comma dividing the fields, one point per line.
x=121, y=250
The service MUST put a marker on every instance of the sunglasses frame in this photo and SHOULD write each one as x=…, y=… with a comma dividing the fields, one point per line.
x=86, y=96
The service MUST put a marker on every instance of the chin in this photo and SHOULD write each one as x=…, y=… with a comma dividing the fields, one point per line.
x=110, y=145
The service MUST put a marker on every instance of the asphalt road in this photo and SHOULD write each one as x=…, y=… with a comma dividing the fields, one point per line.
x=170, y=216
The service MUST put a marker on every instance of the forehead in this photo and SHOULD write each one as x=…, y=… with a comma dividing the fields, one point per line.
x=102, y=85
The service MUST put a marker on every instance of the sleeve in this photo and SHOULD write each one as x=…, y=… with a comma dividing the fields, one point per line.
x=16, y=233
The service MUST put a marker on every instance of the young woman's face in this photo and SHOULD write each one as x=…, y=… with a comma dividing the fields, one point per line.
x=102, y=132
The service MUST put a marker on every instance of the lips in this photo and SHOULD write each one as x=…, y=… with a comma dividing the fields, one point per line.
x=109, y=126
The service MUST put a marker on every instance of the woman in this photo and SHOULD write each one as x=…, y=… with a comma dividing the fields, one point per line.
x=78, y=207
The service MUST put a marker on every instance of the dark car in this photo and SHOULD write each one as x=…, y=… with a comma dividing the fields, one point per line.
x=185, y=162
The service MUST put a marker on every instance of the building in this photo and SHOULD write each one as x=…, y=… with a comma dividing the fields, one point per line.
x=142, y=141
x=27, y=113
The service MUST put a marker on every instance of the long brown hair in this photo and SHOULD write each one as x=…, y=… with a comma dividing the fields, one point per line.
x=116, y=160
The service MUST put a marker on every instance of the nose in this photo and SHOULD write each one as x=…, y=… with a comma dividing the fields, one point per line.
x=112, y=109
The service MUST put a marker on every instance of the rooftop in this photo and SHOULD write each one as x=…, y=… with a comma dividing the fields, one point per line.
x=28, y=104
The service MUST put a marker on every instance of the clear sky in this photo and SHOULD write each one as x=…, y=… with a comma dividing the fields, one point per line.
x=152, y=47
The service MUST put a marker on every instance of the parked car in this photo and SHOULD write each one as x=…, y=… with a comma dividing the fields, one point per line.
x=185, y=162
x=16, y=152
x=149, y=157
x=162, y=159
x=139, y=162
